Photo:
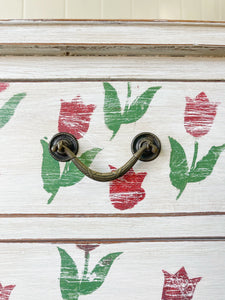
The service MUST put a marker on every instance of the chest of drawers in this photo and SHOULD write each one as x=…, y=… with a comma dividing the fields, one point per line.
x=158, y=231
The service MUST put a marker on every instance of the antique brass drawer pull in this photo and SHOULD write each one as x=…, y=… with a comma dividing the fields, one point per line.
x=64, y=147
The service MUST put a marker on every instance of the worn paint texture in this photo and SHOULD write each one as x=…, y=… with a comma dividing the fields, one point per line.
x=6, y=112
x=199, y=115
x=198, y=119
x=179, y=286
x=133, y=111
x=5, y=291
x=74, y=118
x=71, y=284
x=52, y=176
x=8, y=109
x=126, y=191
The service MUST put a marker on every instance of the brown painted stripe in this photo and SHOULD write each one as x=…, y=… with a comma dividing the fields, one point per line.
x=57, y=80
x=113, y=241
x=107, y=21
x=102, y=215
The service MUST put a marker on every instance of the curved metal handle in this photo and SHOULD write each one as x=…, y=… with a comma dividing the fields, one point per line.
x=143, y=145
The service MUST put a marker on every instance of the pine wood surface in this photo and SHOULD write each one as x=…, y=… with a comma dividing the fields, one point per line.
x=114, y=68
x=167, y=225
x=88, y=196
x=136, y=274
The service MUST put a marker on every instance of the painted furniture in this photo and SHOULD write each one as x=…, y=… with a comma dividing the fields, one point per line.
x=158, y=231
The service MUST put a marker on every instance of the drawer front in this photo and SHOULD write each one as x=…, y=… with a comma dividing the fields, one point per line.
x=187, y=176
x=175, y=270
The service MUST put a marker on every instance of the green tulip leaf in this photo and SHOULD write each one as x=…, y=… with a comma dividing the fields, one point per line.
x=178, y=166
x=180, y=175
x=8, y=109
x=114, y=117
x=71, y=175
x=139, y=106
x=205, y=166
x=69, y=279
x=98, y=274
x=112, y=108
x=50, y=170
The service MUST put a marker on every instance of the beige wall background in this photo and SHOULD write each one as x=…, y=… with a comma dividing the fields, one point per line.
x=210, y=10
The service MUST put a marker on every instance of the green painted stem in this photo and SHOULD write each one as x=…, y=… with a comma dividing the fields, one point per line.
x=194, y=157
x=86, y=263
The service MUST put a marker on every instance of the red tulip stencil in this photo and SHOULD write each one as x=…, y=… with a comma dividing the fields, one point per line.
x=126, y=191
x=199, y=116
x=5, y=291
x=3, y=86
x=74, y=118
x=179, y=286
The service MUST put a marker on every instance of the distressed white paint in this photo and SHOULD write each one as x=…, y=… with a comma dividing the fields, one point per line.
x=21, y=184
x=136, y=274
x=111, y=227
x=106, y=68
x=108, y=32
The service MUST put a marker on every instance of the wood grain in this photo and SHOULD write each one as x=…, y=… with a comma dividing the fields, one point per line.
x=114, y=241
x=113, y=49
x=89, y=197
x=115, y=215
x=30, y=266
x=124, y=32
x=100, y=68
x=111, y=228
x=112, y=38
x=158, y=232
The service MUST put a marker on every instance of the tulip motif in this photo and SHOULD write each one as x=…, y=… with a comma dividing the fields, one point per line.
x=74, y=117
x=179, y=286
x=126, y=191
x=5, y=291
x=87, y=247
x=199, y=116
x=72, y=285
